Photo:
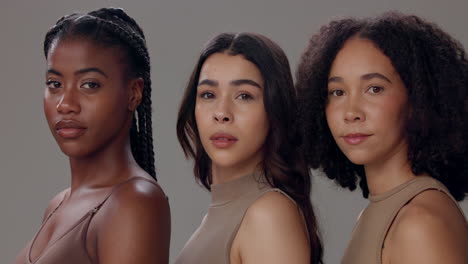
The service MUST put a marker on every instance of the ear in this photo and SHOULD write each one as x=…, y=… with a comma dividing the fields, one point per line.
x=136, y=93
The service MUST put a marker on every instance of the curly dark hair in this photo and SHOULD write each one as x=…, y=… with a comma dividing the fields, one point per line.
x=283, y=165
x=434, y=69
x=112, y=27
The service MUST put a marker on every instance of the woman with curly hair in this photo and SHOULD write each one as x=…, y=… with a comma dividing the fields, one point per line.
x=97, y=103
x=236, y=121
x=384, y=102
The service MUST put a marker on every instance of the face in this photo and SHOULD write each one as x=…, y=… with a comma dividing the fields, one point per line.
x=87, y=101
x=367, y=104
x=229, y=111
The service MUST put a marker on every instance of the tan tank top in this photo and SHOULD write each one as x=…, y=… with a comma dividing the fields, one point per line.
x=211, y=242
x=70, y=247
x=371, y=229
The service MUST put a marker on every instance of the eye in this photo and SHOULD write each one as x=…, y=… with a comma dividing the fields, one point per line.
x=53, y=84
x=336, y=93
x=90, y=85
x=245, y=96
x=206, y=95
x=375, y=89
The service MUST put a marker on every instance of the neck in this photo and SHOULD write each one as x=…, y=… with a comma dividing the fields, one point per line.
x=393, y=171
x=103, y=168
x=224, y=174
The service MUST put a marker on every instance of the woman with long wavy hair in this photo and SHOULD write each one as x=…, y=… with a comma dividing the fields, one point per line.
x=237, y=121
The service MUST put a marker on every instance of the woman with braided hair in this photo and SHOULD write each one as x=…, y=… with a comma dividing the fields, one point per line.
x=97, y=104
x=385, y=105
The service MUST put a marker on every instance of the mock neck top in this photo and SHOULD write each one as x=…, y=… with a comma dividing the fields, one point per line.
x=370, y=231
x=226, y=192
x=211, y=243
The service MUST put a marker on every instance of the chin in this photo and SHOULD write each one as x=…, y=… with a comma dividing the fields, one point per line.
x=74, y=154
x=74, y=151
x=224, y=163
x=358, y=158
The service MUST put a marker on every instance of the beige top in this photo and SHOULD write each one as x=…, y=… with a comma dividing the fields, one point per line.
x=371, y=229
x=70, y=248
x=211, y=242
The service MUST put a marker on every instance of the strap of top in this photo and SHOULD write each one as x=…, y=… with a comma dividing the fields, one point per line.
x=55, y=209
x=95, y=209
x=117, y=186
x=85, y=219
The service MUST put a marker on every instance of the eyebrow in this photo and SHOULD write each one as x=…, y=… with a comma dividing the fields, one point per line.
x=233, y=82
x=335, y=79
x=245, y=81
x=54, y=72
x=375, y=75
x=208, y=82
x=82, y=71
x=366, y=77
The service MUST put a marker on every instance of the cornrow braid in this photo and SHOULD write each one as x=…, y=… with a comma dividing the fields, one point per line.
x=113, y=27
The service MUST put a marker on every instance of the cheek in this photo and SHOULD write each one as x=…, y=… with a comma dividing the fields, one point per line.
x=50, y=108
x=112, y=107
x=392, y=114
x=255, y=122
x=332, y=115
x=200, y=117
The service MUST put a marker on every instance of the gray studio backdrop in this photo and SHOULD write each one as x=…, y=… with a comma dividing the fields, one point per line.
x=33, y=169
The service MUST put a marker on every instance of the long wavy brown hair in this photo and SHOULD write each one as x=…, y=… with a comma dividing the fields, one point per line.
x=283, y=165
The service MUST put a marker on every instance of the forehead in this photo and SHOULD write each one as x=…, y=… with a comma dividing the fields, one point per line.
x=225, y=67
x=360, y=56
x=78, y=53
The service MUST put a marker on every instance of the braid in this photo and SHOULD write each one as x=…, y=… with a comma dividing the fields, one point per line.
x=110, y=14
x=144, y=147
x=114, y=27
x=147, y=133
x=134, y=138
x=59, y=27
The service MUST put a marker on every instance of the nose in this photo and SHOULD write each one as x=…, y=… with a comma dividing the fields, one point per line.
x=221, y=117
x=69, y=103
x=223, y=113
x=354, y=111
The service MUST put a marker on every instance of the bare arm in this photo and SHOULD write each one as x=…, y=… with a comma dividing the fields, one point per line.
x=136, y=226
x=273, y=231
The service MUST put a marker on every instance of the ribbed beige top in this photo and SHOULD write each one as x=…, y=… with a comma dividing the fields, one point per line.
x=211, y=242
x=371, y=229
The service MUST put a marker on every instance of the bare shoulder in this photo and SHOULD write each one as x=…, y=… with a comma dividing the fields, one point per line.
x=136, y=200
x=273, y=231
x=430, y=229
x=434, y=207
x=54, y=203
x=273, y=205
x=139, y=190
x=139, y=210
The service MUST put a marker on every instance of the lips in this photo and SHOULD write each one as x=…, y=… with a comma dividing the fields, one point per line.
x=355, y=138
x=223, y=140
x=69, y=129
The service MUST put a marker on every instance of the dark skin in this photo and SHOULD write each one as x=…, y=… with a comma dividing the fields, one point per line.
x=89, y=102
